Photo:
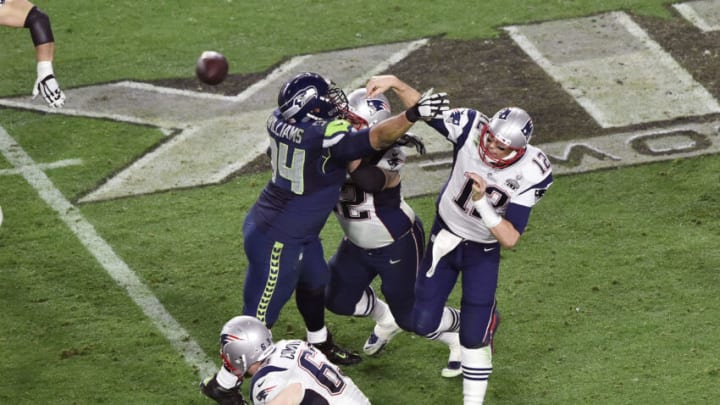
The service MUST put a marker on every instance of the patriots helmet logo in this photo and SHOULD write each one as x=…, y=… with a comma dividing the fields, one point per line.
x=376, y=104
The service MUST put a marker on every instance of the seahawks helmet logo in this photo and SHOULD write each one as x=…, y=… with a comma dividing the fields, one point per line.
x=304, y=96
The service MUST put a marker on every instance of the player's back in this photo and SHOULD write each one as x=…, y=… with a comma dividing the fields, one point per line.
x=295, y=361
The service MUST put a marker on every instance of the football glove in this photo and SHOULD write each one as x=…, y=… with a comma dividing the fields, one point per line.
x=222, y=396
x=412, y=140
x=50, y=90
x=428, y=107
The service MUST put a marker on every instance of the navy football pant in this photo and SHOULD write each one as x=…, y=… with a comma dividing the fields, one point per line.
x=352, y=269
x=274, y=272
x=479, y=264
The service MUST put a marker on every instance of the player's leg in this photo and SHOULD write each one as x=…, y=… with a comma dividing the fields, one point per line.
x=397, y=269
x=313, y=279
x=313, y=276
x=271, y=275
x=431, y=317
x=399, y=272
x=478, y=319
x=349, y=291
x=350, y=275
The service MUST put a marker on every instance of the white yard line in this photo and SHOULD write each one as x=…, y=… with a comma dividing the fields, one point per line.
x=106, y=256
x=44, y=166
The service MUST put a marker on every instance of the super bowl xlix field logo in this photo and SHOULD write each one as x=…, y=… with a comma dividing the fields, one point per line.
x=621, y=99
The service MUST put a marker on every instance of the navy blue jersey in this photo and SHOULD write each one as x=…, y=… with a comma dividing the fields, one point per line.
x=309, y=163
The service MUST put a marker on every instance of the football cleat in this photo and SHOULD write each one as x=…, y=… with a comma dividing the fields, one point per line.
x=222, y=396
x=374, y=344
x=337, y=354
x=453, y=369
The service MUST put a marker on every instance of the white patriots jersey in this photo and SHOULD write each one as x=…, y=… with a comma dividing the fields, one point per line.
x=296, y=361
x=522, y=183
x=370, y=232
x=374, y=220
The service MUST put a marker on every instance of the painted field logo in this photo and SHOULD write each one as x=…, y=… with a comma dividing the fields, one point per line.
x=231, y=132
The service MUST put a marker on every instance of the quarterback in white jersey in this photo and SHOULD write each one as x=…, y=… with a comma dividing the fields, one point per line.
x=521, y=183
x=495, y=180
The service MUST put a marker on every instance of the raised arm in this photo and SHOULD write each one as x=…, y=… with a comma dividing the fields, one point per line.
x=380, y=84
x=22, y=13
x=424, y=107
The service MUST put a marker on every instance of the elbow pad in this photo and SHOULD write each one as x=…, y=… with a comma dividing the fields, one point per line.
x=39, y=25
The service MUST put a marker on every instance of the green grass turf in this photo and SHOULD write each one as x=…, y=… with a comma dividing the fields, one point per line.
x=610, y=298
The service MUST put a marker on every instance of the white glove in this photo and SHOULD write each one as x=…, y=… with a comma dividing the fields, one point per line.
x=47, y=85
x=430, y=106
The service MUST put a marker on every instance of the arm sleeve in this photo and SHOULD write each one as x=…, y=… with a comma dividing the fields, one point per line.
x=369, y=178
x=518, y=215
x=39, y=24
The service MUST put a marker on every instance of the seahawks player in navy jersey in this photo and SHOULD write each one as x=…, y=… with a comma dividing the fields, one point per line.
x=310, y=147
x=495, y=180
x=22, y=13
x=383, y=236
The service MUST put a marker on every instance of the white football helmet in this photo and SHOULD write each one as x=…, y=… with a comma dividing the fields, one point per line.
x=366, y=112
x=244, y=340
x=511, y=126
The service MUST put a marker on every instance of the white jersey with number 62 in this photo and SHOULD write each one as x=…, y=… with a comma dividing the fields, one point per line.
x=295, y=361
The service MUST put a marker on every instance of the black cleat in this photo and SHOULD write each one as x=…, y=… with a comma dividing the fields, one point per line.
x=337, y=354
x=222, y=396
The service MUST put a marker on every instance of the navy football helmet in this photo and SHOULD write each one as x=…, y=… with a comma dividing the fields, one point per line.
x=512, y=127
x=311, y=96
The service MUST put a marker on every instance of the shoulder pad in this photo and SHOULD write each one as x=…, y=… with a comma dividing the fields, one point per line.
x=333, y=127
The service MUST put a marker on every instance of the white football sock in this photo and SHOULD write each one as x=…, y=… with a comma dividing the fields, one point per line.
x=452, y=339
x=450, y=321
x=318, y=336
x=381, y=314
x=477, y=367
x=366, y=304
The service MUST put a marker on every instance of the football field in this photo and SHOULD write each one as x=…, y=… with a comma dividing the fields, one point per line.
x=121, y=251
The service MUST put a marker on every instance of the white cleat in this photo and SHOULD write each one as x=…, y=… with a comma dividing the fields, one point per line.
x=453, y=369
x=380, y=337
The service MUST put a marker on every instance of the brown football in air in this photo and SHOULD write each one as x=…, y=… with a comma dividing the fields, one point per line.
x=211, y=67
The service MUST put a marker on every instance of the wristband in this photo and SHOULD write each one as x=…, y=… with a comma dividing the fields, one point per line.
x=227, y=379
x=44, y=68
x=412, y=114
x=487, y=212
